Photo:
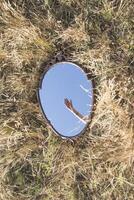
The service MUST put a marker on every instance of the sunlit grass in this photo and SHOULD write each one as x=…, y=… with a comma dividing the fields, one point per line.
x=34, y=163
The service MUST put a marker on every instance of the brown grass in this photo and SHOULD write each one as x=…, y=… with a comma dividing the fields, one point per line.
x=34, y=163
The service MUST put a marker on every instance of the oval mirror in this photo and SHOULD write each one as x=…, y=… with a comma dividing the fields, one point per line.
x=66, y=99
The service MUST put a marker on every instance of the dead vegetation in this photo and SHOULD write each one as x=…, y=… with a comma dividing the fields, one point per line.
x=34, y=163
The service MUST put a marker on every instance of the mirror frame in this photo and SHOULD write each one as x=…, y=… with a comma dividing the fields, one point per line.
x=89, y=76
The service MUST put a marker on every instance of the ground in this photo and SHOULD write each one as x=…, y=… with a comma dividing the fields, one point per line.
x=35, y=164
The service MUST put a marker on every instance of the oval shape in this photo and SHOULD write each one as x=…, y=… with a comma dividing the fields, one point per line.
x=66, y=99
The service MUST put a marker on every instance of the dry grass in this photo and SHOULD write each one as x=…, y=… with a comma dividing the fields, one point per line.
x=34, y=163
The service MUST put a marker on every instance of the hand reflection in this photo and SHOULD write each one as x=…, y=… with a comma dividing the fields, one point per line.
x=70, y=106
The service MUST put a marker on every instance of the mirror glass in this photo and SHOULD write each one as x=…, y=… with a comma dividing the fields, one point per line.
x=66, y=98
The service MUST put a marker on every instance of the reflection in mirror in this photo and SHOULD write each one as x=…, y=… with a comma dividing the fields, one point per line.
x=66, y=98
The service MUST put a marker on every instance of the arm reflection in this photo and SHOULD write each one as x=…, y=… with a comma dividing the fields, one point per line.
x=71, y=108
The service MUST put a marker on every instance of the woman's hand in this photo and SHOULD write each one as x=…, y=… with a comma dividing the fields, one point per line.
x=69, y=104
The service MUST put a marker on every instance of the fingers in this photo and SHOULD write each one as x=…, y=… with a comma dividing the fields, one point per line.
x=65, y=101
x=71, y=103
x=68, y=103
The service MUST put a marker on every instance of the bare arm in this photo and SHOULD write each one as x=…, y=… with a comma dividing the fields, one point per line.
x=70, y=106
